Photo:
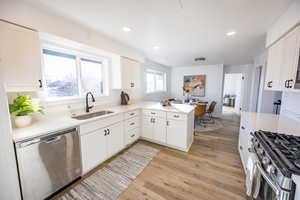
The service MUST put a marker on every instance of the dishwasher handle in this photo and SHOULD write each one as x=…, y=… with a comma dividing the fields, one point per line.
x=52, y=137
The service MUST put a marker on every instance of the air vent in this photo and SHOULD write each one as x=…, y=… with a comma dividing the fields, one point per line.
x=200, y=59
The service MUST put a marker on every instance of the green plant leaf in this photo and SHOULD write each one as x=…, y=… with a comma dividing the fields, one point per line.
x=24, y=105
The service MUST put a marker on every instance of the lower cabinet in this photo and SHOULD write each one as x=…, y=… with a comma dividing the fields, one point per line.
x=175, y=133
x=114, y=139
x=154, y=128
x=148, y=127
x=93, y=149
x=168, y=128
x=101, y=144
x=245, y=141
x=159, y=130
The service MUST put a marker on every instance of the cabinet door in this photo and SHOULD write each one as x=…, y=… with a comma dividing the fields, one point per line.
x=177, y=133
x=159, y=130
x=93, y=149
x=115, y=139
x=290, y=59
x=20, y=56
x=147, y=127
x=130, y=73
x=273, y=81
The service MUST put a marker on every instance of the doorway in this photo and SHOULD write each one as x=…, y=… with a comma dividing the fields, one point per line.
x=232, y=93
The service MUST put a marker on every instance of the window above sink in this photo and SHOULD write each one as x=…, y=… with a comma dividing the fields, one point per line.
x=70, y=74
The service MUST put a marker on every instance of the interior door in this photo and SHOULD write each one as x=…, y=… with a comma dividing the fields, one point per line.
x=159, y=130
x=176, y=133
x=147, y=127
x=115, y=139
x=93, y=149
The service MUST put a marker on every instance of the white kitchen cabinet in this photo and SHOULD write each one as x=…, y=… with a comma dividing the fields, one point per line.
x=127, y=75
x=154, y=128
x=245, y=141
x=283, y=68
x=168, y=128
x=20, y=57
x=176, y=133
x=132, y=128
x=159, y=130
x=114, y=139
x=273, y=81
x=147, y=127
x=93, y=149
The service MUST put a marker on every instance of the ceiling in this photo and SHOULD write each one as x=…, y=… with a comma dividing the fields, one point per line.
x=183, y=29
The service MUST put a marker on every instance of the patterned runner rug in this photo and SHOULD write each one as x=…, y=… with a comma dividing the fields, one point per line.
x=110, y=181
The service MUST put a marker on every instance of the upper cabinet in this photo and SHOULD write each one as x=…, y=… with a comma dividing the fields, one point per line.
x=20, y=58
x=127, y=75
x=283, y=67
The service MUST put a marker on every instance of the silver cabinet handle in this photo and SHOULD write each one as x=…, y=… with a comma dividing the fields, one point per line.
x=176, y=116
x=241, y=148
x=168, y=123
x=153, y=113
x=243, y=127
x=132, y=124
x=131, y=114
x=132, y=135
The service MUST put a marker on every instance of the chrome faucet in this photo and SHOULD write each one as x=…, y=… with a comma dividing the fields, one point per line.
x=87, y=107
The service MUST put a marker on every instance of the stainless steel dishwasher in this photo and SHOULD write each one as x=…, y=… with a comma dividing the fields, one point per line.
x=47, y=164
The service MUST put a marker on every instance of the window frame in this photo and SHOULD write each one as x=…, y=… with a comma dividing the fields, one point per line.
x=156, y=72
x=78, y=55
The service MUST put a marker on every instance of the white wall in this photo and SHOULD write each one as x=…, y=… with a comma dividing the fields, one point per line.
x=214, y=82
x=157, y=96
x=9, y=183
x=247, y=71
x=290, y=18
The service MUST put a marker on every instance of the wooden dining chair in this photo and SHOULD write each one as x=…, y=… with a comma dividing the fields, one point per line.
x=200, y=111
x=210, y=110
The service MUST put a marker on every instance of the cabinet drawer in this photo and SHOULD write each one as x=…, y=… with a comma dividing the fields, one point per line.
x=92, y=126
x=131, y=114
x=132, y=135
x=176, y=116
x=154, y=113
x=132, y=123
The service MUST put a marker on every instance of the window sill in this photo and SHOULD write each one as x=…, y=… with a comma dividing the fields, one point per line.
x=70, y=100
x=155, y=92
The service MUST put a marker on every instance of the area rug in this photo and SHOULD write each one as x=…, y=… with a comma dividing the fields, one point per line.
x=209, y=126
x=109, y=182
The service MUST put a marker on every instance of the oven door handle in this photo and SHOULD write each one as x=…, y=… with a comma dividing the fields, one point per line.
x=268, y=179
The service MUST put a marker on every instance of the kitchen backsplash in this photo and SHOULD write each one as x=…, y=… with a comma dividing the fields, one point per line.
x=290, y=105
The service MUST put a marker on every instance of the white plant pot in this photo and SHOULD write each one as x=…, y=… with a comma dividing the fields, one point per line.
x=23, y=121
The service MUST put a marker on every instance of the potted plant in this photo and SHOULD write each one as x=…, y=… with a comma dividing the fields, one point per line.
x=22, y=107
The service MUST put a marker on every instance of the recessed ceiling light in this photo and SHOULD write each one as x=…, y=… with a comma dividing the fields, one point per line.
x=156, y=47
x=230, y=33
x=126, y=29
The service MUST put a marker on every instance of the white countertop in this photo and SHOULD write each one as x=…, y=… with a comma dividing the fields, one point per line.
x=51, y=123
x=272, y=123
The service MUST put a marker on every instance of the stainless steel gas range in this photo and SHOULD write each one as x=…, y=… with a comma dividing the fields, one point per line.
x=277, y=159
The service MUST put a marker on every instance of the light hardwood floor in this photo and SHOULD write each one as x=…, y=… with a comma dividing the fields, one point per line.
x=211, y=170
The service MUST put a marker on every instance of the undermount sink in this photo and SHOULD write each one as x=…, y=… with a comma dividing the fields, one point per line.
x=92, y=115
